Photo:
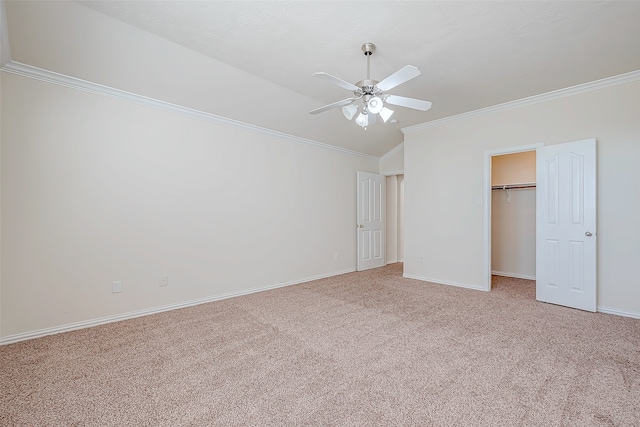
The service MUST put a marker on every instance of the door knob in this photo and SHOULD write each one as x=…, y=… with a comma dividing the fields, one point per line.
x=588, y=234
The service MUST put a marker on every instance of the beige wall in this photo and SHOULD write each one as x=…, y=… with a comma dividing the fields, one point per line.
x=515, y=168
x=96, y=189
x=5, y=47
x=392, y=163
x=444, y=171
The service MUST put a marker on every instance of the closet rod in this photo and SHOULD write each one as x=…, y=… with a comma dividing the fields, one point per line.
x=509, y=187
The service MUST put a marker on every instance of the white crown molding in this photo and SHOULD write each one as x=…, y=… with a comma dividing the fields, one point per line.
x=393, y=151
x=556, y=94
x=87, y=86
x=146, y=312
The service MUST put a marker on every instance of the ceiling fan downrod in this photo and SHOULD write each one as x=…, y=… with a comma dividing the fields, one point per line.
x=367, y=86
x=368, y=49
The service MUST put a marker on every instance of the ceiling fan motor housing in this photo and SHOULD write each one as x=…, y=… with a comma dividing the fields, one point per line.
x=368, y=87
x=368, y=48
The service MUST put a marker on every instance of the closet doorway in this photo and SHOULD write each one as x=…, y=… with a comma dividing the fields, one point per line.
x=513, y=215
x=510, y=213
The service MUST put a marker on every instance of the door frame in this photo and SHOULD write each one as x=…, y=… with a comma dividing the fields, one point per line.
x=486, y=228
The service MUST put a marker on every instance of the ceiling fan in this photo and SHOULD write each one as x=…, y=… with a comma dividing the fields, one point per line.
x=373, y=94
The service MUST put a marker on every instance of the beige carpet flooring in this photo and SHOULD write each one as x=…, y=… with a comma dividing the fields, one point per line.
x=360, y=349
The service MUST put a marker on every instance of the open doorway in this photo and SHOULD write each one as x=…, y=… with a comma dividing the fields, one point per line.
x=513, y=215
x=510, y=214
x=565, y=245
x=395, y=218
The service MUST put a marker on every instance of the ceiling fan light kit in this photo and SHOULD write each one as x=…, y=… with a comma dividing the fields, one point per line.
x=349, y=111
x=385, y=113
x=373, y=94
x=375, y=105
x=363, y=120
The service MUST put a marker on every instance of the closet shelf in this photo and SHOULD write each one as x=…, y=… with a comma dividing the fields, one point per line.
x=512, y=186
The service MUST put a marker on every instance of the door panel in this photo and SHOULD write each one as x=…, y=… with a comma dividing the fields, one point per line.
x=576, y=264
x=552, y=263
x=552, y=189
x=565, y=221
x=366, y=245
x=371, y=220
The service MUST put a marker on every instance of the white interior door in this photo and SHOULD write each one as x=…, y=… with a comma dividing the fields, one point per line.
x=566, y=224
x=371, y=220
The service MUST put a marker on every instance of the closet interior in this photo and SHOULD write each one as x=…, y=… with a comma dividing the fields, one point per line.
x=513, y=215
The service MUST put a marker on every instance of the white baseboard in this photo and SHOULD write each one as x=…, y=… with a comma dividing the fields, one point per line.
x=10, y=339
x=514, y=275
x=617, y=312
x=391, y=261
x=442, y=282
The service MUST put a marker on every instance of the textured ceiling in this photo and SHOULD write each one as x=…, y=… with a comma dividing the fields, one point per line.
x=471, y=54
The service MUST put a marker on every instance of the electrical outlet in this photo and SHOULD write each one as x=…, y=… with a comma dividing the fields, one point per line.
x=164, y=280
x=116, y=287
x=337, y=256
x=422, y=260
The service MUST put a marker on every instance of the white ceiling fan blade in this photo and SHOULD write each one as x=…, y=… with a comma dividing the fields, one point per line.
x=336, y=81
x=404, y=74
x=403, y=101
x=334, y=105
